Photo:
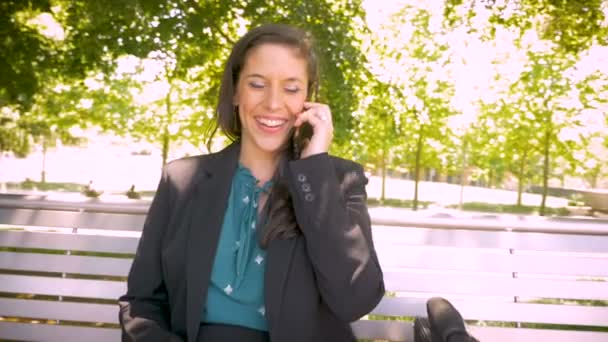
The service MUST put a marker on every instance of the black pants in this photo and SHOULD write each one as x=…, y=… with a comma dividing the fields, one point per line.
x=230, y=333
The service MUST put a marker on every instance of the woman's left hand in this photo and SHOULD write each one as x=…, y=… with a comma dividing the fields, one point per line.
x=319, y=117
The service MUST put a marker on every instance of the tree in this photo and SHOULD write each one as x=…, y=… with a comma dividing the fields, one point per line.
x=573, y=25
x=194, y=36
x=377, y=136
x=422, y=96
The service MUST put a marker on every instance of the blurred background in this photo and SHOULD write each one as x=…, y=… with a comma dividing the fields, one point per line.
x=489, y=106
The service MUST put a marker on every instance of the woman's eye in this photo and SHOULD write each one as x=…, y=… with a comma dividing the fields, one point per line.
x=292, y=89
x=256, y=85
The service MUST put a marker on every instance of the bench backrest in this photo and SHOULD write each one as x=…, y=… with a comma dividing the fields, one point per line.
x=513, y=276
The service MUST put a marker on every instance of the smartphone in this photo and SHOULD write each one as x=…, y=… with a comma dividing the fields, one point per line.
x=300, y=137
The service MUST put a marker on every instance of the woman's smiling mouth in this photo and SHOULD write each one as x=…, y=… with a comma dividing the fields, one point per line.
x=270, y=125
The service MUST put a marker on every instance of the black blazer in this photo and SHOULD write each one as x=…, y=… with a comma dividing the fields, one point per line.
x=316, y=283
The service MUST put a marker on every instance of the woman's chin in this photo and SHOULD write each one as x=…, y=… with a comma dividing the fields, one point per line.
x=272, y=146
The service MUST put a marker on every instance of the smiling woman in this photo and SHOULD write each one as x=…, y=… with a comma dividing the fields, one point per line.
x=269, y=239
x=269, y=94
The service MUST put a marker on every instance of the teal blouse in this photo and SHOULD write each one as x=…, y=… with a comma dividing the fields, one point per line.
x=236, y=291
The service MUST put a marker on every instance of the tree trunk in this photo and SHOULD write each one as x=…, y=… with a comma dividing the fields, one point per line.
x=417, y=168
x=166, y=138
x=520, y=178
x=463, y=175
x=43, y=172
x=3, y=187
x=166, y=144
x=383, y=163
x=543, y=203
x=595, y=175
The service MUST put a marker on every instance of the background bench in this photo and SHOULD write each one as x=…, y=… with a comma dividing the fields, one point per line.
x=513, y=280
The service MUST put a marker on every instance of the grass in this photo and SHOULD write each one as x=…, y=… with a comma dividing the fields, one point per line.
x=29, y=184
x=64, y=187
x=398, y=203
x=62, y=252
x=372, y=202
x=509, y=209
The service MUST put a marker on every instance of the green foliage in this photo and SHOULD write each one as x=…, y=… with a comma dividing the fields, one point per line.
x=23, y=51
x=412, y=107
x=573, y=25
x=191, y=39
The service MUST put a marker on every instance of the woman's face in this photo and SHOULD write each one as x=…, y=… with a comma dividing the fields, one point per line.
x=271, y=90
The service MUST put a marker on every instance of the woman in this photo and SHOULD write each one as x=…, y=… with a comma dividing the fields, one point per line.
x=269, y=239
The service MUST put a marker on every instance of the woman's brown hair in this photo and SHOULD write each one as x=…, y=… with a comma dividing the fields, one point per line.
x=281, y=221
x=226, y=115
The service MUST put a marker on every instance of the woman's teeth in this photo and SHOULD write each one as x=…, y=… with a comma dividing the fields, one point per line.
x=270, y=122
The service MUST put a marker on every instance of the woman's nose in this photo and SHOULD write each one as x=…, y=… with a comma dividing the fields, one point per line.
x=273, y=99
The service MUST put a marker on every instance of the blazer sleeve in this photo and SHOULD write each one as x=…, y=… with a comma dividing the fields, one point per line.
x=144, y=309
x=330, y=203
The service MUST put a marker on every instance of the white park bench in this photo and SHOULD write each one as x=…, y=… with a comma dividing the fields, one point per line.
x=512, y=280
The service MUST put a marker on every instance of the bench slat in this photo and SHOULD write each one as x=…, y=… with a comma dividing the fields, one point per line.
x=386, y=330
x=42, y=218
x=494, y=286
x=489, y=261
x=46, y=309
x=488, y=239
x=501, y=311
x=56, y=333
x=60, y=241
x=391, y=330
x=65, y=263
x=103, y=289
x=495, y=334
x=111, y=221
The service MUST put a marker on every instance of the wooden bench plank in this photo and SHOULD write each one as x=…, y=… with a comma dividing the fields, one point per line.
x=111, y=221
x=547, y=225
x=56, y=333
x=61, y=241
x=464, y=259
x=72, y=202
x=65, y=264
x=489, y=239
x=487, y=310
x=494, y=285
x=494, y=334
x=385, y=330
x=69, y=311
x=104, y=289
x=36, y=217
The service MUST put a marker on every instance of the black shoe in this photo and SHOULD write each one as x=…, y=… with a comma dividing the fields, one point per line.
x=423, y=332
x=446, y=322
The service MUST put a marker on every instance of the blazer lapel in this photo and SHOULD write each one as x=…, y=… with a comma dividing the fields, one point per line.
x=208, y=206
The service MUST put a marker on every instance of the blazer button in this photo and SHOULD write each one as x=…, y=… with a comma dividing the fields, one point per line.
x=306, y=187
x=309, y=197
x=301, y=177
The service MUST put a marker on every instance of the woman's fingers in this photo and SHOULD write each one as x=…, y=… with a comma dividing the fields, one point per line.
x=319, y=117
x=314, y=113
